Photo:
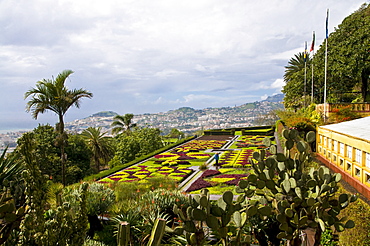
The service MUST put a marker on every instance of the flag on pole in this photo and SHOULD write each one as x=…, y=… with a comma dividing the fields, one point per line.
x=305, y=51
x=313, y=42
x=327, y=23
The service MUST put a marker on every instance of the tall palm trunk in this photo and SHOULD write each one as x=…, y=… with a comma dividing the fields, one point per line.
x=62, y=142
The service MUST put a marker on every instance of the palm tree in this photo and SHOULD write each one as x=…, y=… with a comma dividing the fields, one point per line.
x=10, y=167
x=295, y=87
x=98, y=144
x=295, y=65
x=122, y=123
x=53, y=95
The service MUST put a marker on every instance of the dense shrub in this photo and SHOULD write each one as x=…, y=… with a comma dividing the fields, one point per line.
x=359, y=212
x=344, y=113
x=301, y=123
x=300, y=120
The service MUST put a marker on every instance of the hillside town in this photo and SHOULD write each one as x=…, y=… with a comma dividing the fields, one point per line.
x=186, y=119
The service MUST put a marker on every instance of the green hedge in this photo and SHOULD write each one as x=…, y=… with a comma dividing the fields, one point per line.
x=110, y=171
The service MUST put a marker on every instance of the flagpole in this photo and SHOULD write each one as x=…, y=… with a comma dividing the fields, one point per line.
x=313, y=51
x=326, y=64
x=305, y=73
x=312, y=79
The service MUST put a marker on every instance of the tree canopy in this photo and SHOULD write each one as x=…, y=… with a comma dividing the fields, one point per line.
x=141, y=141
x=122, y=123
x=348, y=64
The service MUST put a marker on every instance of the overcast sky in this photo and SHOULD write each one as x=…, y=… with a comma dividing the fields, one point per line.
x=150, y=56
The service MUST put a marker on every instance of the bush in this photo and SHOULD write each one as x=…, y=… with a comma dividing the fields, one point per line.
x=344, y=113
x=359, y=212
x=301, y=123
x=300, y=120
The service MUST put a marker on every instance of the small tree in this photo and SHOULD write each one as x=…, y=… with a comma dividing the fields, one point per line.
x=122, y=123
x=99, y=146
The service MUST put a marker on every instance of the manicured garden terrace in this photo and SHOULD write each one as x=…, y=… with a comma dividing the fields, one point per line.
x=177, y=163
x=182, y=164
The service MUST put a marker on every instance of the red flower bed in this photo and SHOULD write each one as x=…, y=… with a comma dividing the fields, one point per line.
x=209, y=173
x=235, y=176
x=232, y=182
x=198, y=184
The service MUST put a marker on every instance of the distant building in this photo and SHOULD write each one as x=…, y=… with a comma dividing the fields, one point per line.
x=345, y=148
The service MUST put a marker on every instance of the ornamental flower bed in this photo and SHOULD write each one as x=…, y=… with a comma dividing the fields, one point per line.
x=177, y=158
x=142, y=172
x=216, y=178
x=192, y=150
x=249, y=141
x=238, y=158
x=200, y=145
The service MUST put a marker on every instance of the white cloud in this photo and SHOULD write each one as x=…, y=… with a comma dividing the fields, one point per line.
x=278, y=84
x=150, y=56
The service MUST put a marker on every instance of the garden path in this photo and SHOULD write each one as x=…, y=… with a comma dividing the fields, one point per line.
x=210, y=166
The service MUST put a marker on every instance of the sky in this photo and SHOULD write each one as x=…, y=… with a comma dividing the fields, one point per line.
x=150, y=56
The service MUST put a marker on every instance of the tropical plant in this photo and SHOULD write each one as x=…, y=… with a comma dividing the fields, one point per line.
x=294, y=88
x=33, y=226
x=176, y=133
x=138, y=143
x=98, y=199
x=10, y=214
x=10, y=166
x=58, y=221
x=99, y=145
x=53, y=95
x=122, y=123
x=79, y=159
x=46, y=153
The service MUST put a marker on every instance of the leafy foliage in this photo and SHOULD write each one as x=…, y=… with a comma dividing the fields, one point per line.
x=99, y=145
x=294, y=79
x=140, y=142
x=60, y=225
x=344, y=113
x=47, y=154
x=10, y=215
x=348, y=67
x=298, y=120
x=122, y=123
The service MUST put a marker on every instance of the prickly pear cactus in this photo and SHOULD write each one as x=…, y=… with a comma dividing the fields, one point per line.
x=216, y=216
x=299, y=198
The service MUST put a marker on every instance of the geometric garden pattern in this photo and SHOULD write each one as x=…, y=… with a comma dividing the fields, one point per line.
x=180, y=162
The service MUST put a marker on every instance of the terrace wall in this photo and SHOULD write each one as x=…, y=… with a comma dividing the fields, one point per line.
x=363, y=109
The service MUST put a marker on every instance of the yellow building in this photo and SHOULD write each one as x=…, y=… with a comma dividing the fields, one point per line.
x=345, y=148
